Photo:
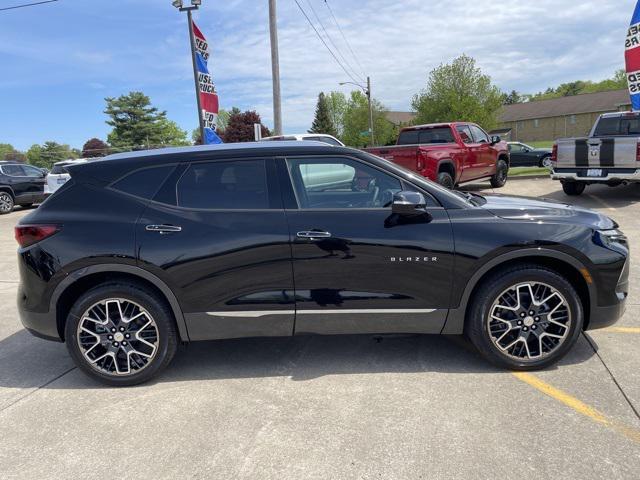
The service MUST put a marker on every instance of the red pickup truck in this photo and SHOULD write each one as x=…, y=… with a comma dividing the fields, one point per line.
x=450, y=153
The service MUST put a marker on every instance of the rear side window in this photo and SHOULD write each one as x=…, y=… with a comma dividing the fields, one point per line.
x=144, y=183
x=622, y=125
x=427, y=136
x=233, y=185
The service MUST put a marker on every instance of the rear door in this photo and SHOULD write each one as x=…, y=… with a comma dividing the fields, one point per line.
x=35, y=179
x=355, y=269
x=217, y=234
x=17, y=179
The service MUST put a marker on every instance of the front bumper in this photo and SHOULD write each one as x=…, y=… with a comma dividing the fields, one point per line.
x=610, y=175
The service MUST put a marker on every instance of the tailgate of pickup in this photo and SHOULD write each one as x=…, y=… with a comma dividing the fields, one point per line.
x=612, y=152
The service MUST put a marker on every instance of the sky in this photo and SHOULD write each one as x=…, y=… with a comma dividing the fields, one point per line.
x=60, y=60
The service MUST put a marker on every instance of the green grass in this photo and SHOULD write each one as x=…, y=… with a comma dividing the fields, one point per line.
x=548, y=144
x=524, y=171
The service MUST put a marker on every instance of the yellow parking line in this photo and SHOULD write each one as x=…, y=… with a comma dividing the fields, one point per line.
x=622, y=329
x=578, y=406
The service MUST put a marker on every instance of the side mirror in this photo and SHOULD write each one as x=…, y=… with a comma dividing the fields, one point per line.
x=495, y=139
x=408, y=203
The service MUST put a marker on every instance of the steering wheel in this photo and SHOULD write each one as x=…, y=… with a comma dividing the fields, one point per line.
x=386, y=198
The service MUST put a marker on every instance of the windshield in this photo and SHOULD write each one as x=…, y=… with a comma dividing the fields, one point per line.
x=426, y=136
x=628, y=124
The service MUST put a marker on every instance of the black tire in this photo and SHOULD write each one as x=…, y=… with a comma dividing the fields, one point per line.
x=545, y=162
x=446, y=180
x=573, y=189
x=6, y=203
x=482, y=331
x=500, y=178
x=165, y=343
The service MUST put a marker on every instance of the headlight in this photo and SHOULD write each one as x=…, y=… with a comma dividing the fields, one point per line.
x=612, y=239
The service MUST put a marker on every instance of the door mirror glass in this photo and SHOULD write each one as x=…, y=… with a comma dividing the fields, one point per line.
x=408, y=203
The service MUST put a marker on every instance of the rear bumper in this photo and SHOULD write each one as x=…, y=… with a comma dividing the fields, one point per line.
x=42, y=325
x=610, y=175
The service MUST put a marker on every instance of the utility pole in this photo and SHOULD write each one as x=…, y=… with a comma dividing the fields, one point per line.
x=275, y=68
x=373, y=142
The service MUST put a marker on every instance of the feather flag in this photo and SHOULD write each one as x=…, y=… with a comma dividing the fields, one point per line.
x=632, y=58
x=208, y=94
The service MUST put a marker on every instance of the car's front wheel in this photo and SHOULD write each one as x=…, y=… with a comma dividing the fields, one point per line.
x=526, y=317
x=121, y=333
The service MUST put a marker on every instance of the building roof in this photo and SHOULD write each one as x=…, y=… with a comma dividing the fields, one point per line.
x=401, y=118
x=573, y=105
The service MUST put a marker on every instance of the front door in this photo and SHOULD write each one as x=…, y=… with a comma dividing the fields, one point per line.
x=356, y=270
x=486, y=157
x=217, y=235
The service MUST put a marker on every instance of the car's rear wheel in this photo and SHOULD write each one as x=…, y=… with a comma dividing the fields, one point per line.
x=500, y=178
x=121, y=334
x=525, y=318
x=545, y=162
x=573, y=188
x=446, y=180
x=6, y=203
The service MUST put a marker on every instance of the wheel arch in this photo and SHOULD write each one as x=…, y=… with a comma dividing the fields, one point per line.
x=8, y=189
x=447, y=165
x=505, y=156
x=564, y=264
x=81, y=281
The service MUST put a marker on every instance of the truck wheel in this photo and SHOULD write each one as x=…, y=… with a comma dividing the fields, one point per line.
x=445, y=180
x=500, y=178
x=573, y=188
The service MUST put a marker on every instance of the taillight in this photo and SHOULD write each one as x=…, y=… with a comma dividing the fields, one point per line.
x=420, y=161
x=27, y=235
x=554, y=153
x=638, y=152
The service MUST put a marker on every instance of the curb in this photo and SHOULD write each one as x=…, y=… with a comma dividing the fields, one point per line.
x=527, y=177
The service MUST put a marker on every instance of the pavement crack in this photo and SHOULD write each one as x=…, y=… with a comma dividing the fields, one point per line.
x=615, y=381
x=36, y=389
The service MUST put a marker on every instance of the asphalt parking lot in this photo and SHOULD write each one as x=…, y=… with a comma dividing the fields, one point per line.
x=320, y=407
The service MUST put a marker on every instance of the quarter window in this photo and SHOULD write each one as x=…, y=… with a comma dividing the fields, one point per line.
x=143, y=183
x=233, y=185
x=341, y=184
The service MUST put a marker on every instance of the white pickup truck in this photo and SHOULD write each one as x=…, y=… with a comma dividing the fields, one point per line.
x=610, y=155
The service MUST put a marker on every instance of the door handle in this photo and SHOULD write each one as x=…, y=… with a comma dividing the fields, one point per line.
x=313, y=235
x=163, y=229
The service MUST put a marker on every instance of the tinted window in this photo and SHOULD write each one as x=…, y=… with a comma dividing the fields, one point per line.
x=59, y=169
x=341, y=184
x=144, y=183
x=13, y=170
x=465, y=133
x=426, y=136
x=224, y=185
x=478, y=135
x=32, y=172
x=327, y=140
x=612, y=126
x=516, y=148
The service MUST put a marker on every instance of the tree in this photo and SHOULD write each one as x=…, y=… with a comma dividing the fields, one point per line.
x=323, y=123
x=578, y=87
x=221, y=124
x=136, y=124
x=15, y=156
x=459, y=92
x=240, y=127
x=171, y=134
x=46, y=155
x=356, y=122
x=5, y=148
x=337, y=106
x=512, y=98
x=94, y=148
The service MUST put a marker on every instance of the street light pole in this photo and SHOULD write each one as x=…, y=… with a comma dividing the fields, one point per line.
x=194, y=6
x=367, y=91
x=275, y=68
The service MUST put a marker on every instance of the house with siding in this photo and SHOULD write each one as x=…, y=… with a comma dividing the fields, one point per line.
x=547, y=120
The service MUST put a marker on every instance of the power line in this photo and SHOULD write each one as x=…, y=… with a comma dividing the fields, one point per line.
x=335, y=20
x=27, y=5
x=331, y=41
x=323, y=41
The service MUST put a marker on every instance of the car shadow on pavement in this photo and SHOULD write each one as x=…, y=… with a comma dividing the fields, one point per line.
x=28, y=362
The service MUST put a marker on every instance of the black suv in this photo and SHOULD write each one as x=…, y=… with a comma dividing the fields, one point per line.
x=141, y=251
x=20, y=184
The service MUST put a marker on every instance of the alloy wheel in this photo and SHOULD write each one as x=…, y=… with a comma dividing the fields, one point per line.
x=6, y=202
x=529, y=321
x=118, y=337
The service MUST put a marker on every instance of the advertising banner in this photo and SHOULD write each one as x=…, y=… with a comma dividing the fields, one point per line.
x=207, y=88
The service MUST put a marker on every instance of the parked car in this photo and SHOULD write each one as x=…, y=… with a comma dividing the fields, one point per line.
x=523, y=155
x=20, y=184
x=311, y=137
x=609, y=155
x=450, y=153
x=252, y=240
x=59, y=175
